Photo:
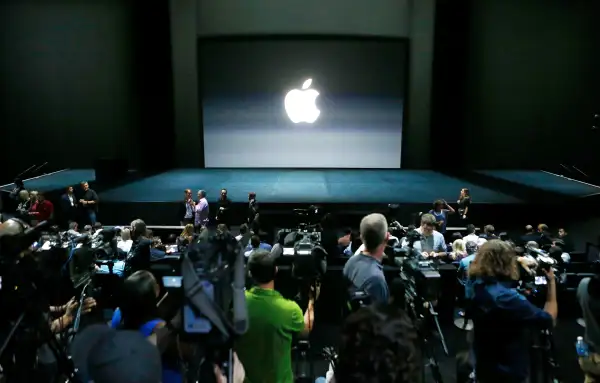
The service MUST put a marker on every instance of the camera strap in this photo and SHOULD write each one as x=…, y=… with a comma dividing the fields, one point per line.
x=201, y=301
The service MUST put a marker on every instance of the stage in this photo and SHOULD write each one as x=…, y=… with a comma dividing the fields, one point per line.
x=349, y=192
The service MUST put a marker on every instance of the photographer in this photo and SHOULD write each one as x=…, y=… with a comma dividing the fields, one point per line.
x=364, y=271
x=502, y=316
x=432, y=243
x=265, y=349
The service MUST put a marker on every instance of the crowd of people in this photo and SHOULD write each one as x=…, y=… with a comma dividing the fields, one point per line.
x=33, y=207
x=379, y=342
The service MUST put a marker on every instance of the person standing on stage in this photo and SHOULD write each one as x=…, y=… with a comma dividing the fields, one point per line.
x=464, y=203
x=89, y=203
x=252, y=208
x=201, y=211
x=224, y=203
x=44, y=210
x=19, y=185
x=68, y=205
x=187, y=208
x=440, y=211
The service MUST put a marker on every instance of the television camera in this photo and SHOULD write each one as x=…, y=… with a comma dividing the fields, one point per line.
x=422, y=283
x=211, y=280
x=539, y=262
x=533, y=286
x=25, y=309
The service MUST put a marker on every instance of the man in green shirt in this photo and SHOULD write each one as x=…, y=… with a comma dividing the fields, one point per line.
x=265, y=350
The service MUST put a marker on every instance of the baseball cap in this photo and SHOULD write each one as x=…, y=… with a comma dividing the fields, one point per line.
x=105, y=355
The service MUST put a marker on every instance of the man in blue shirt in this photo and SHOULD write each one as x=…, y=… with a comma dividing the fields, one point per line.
x=432, y=243
x=440, y=211
x=503, y=317
x=364, y=271
x=256, y=243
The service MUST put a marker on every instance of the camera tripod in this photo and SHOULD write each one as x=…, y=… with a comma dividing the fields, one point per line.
x=543, y=359
x=422, y=317
x=19, y=352
x=304, y=366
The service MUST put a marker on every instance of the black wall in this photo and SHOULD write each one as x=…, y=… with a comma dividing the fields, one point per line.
x=82, y=80
x=517, y=82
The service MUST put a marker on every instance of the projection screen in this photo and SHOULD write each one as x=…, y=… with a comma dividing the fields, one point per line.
x=355, y=121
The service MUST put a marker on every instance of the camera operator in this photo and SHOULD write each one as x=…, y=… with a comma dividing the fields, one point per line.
x=26, y=349
x=502, y=316
x=265, y=349
x=588, y=295
x=364, y=271
x=432, y=243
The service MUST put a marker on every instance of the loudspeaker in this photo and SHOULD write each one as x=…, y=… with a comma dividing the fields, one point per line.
x=111, y=170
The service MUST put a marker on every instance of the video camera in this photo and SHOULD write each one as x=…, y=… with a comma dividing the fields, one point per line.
x=309, y=257
x=211, y=281
x=544, y=262
x=421, y=276
x=24, y=306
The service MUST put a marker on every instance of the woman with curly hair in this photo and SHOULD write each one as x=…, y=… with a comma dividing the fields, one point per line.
x=379, y=345
x=503, y=318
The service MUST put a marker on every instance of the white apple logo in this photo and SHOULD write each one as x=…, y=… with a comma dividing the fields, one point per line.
x=300, y=104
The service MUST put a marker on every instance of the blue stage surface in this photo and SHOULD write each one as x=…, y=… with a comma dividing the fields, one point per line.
x=498, y=196
x=315, y=185
x=545, y=181
x=305, y=186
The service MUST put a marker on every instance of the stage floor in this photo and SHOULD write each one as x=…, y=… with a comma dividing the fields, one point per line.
x=315, y=185
x=306, y=186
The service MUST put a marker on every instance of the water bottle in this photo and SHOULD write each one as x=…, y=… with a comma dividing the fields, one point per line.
x=581, y=347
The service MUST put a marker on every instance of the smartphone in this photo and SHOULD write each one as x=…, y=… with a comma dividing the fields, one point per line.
x=541, y=280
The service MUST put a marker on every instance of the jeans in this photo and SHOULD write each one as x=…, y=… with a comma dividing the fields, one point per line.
x=92, y=217
x=320, y=380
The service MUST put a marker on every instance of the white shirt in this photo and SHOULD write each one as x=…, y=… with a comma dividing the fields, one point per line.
x=125, y=245
x=71, y=199
x=471, y=238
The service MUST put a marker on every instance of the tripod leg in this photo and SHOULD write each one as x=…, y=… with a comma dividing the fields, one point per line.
x=439, y=329
x=433, y=364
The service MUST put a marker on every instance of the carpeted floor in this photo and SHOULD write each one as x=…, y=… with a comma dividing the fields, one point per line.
x=545, y=181
x=315, y=185
x=307, y=186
